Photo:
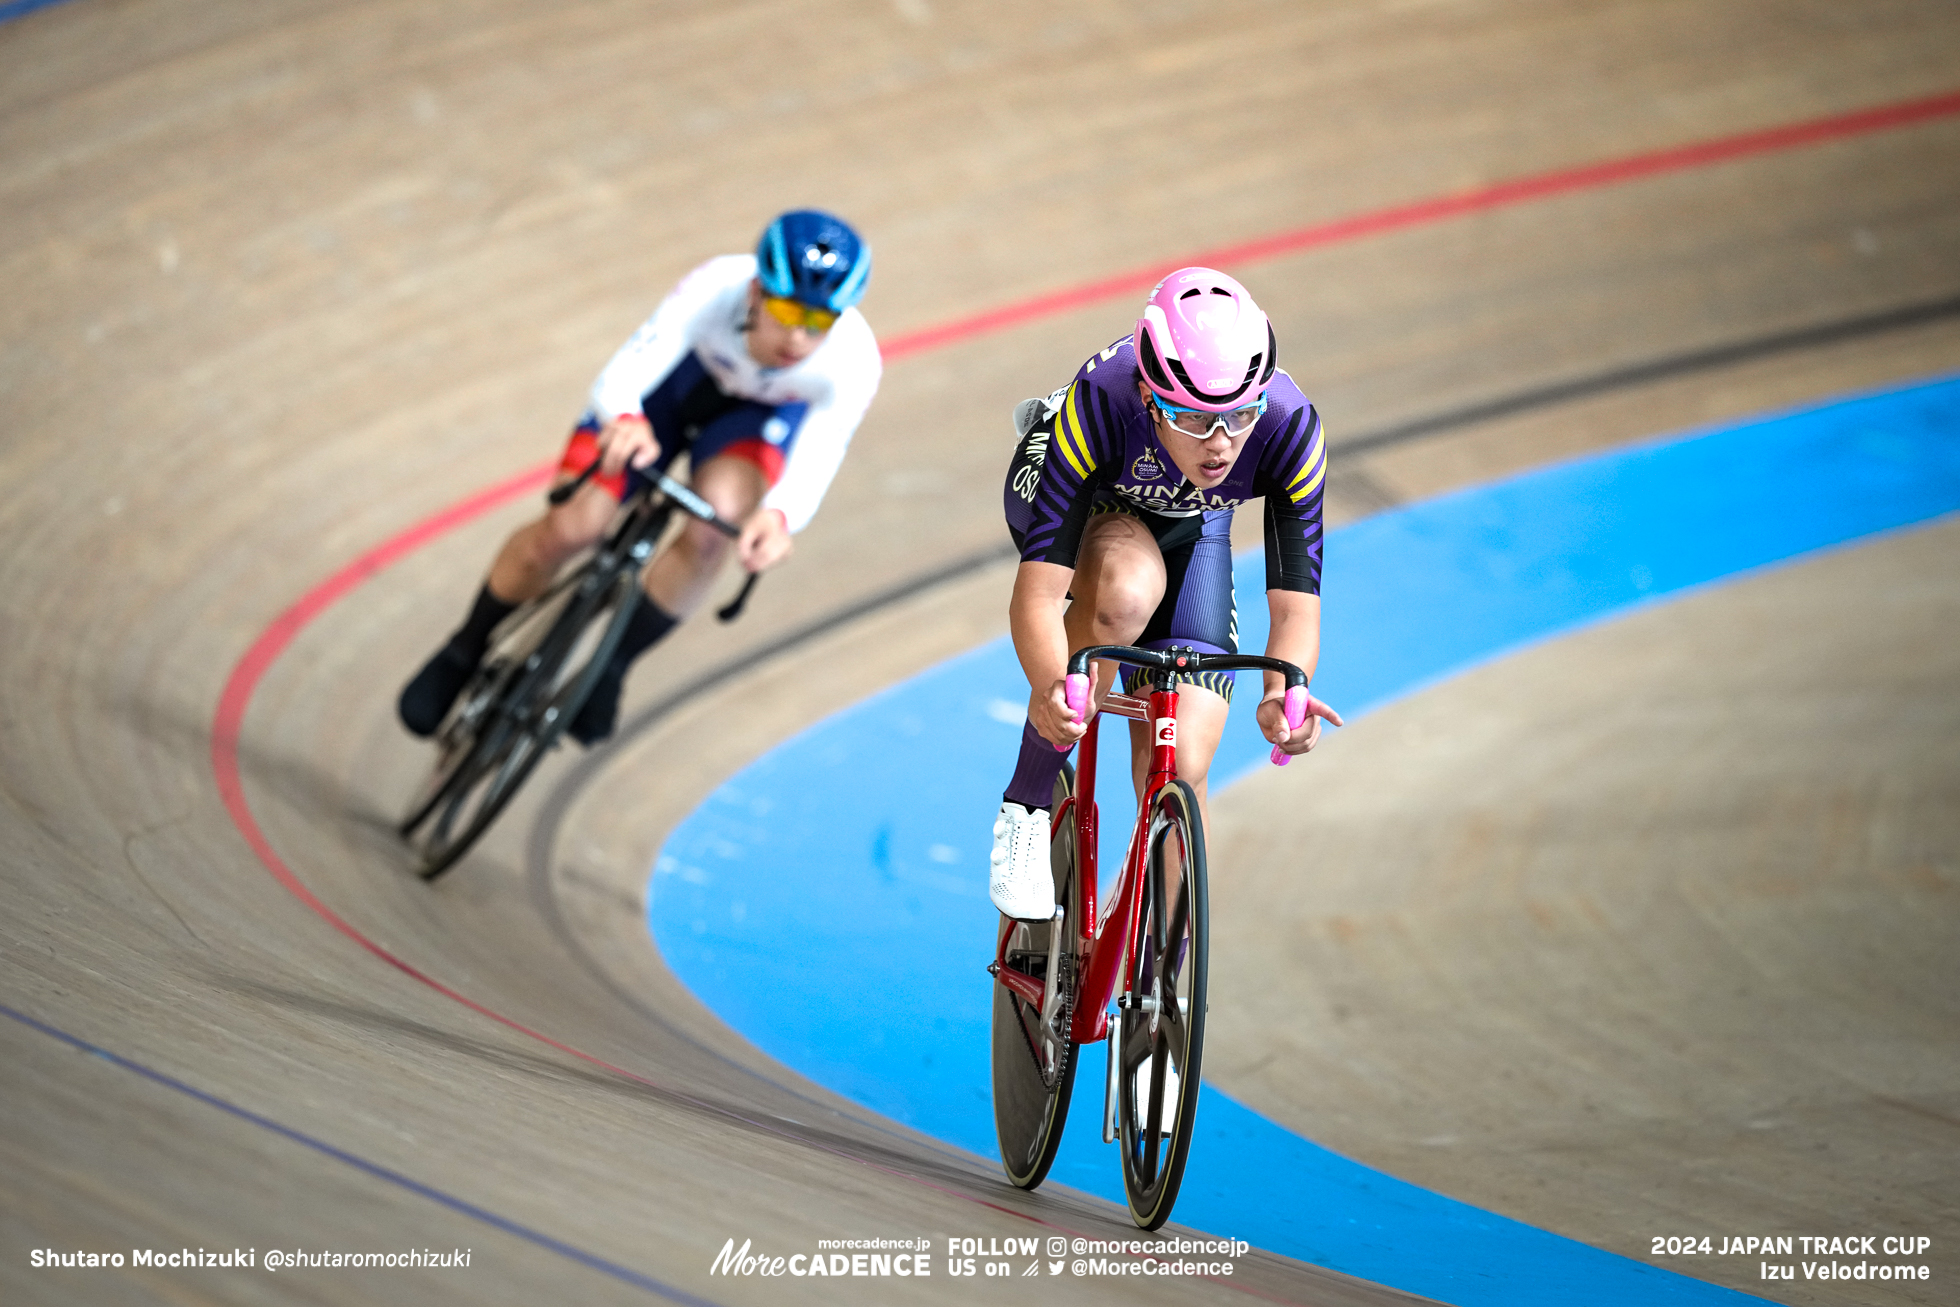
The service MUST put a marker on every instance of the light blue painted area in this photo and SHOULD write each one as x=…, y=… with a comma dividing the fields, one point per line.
x=830, y=901
x=17, y=8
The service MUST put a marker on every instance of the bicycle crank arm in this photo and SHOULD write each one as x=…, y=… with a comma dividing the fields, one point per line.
x=1109, y=1089
x=1051, y=989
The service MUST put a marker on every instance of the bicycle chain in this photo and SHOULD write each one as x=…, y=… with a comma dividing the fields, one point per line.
x=1067, y=1022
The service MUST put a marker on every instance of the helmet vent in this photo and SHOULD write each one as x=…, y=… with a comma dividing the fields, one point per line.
x=813, y=257
x=1153, y=366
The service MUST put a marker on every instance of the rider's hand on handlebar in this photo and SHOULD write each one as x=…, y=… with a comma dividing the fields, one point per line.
x=765, y=540
x=1053, y=719
x=626, y=440
x=1272, y=723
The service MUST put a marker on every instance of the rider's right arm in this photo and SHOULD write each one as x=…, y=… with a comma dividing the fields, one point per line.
x=1034, y=616
x=666, y=337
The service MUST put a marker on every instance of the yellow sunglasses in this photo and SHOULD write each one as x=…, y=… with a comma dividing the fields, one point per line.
x=791, y=313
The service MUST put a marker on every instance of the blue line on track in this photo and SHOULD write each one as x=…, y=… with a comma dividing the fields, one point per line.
x=16, y=8
x=455, y=1204
x=830, y=904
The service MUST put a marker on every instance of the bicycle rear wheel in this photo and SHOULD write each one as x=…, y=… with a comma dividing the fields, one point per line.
x=1034, y=1061
x=1162, y=1025
x=528, y=703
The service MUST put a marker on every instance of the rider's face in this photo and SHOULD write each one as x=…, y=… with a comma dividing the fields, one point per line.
x=1205, y=462
x=772, y=344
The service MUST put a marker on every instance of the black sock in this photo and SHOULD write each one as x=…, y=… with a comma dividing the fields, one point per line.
x=644, y=629
x=474, y=635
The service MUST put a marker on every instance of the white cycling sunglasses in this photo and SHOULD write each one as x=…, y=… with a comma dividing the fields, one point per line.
x=1198, y=424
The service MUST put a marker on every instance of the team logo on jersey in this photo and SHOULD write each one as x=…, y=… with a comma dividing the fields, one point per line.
x=1175, y=501
x=775, y=431
x=1147, y=468
x=1027, y=469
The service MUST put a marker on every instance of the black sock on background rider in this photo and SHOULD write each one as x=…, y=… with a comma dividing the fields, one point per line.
x=644, y=629
x=425, y=700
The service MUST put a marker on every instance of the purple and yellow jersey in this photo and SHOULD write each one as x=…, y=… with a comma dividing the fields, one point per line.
x=1105, y=447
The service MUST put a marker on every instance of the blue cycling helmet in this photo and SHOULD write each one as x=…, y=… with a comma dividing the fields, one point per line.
x=814, y=258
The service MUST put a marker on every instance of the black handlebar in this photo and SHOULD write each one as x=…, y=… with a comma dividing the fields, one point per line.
x=1184, y=661
x=733, y=609
x=560, y=493
x=684, y=498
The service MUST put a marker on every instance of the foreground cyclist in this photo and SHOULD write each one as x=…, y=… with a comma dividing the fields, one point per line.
x=1120, y=499
x=757, y=367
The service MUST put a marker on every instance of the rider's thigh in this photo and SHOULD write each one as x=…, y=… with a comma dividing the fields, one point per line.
x=735, y=486
x=1118, y=582
x=1200, y=725
x=580, y=520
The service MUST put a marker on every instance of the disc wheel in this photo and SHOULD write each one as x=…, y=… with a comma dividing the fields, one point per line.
x=1162, y=1024
x=1034, y=1060
x=510, y=717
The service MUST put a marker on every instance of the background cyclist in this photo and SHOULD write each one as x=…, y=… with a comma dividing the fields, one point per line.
x=1120, y=500
x=756, y=366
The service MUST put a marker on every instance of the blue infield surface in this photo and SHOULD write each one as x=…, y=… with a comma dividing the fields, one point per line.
x=860, y=846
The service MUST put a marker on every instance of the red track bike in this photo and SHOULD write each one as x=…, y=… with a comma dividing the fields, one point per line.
x=1143, y=947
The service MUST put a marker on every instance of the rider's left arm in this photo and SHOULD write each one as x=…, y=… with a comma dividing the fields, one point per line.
x=1295, y=638
x=851, y=365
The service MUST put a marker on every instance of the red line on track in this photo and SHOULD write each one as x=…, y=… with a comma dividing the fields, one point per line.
x=265, y=650
x=245, y=676
x=1538, y=186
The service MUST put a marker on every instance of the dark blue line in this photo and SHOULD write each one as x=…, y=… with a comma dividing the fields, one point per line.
x=15, y=8
x=450, y=1201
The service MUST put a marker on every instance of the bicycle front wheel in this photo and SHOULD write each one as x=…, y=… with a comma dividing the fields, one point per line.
x=530, y=704
x=1161, y=1032
x=1034, y=1059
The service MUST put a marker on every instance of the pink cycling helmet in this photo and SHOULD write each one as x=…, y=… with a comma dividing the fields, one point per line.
x=1202, y=343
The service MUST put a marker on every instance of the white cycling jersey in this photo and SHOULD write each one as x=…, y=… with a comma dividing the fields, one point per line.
x=705, y=315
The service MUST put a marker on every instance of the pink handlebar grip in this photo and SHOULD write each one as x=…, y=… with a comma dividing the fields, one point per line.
x=1296, y=716
x=1076, y=693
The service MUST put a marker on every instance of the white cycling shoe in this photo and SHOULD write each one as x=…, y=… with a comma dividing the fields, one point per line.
x=1021, y=883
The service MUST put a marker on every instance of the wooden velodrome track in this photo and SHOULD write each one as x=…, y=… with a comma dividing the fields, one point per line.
x=1649, y=931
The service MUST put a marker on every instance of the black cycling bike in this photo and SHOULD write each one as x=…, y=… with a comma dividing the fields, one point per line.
x=540, y=668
